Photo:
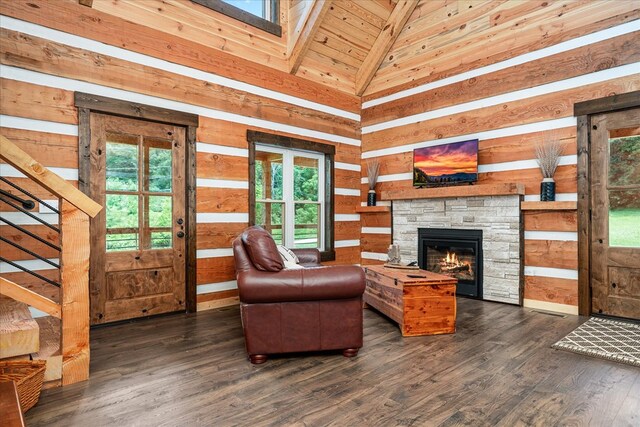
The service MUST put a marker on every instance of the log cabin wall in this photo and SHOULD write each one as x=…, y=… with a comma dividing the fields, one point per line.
x=49, y=50
x=503, y=72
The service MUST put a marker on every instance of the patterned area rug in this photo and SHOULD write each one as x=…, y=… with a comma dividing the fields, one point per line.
x=606, y=339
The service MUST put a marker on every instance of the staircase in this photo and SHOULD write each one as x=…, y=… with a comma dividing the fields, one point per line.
x=59, y=292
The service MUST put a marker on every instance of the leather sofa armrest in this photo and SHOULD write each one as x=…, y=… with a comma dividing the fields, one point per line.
x=307, y=284
x=309, y=256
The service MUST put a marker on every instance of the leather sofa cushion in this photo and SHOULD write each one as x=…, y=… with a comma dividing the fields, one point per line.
x=308, y=284
x=262, y=249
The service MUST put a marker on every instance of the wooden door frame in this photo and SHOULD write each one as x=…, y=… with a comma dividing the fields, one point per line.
x=87, y=103
x=584, y=111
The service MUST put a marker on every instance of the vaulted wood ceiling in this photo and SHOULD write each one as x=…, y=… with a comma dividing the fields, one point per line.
x=375, y=47
x=434, y=39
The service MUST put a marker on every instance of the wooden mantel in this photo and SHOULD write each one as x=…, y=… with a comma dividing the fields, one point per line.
x=507, y=189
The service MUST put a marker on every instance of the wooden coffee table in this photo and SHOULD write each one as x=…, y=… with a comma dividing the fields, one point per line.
x=423, y=305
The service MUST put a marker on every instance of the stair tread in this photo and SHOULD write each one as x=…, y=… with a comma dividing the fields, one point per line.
x=49, y=337
x=50, y=347
x=19, y=333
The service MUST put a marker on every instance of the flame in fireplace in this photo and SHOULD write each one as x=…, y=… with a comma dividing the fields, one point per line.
x=452, y=259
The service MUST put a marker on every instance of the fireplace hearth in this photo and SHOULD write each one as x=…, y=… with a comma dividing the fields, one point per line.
x=455, y=253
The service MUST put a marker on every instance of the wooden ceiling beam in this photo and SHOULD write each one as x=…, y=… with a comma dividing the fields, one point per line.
x=390, y=32
x=305, y=39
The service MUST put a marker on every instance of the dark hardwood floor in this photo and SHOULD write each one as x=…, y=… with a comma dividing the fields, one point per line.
x=498, y=369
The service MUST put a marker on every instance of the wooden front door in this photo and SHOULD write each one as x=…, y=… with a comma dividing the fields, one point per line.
x=615, y=210
x=138, y=240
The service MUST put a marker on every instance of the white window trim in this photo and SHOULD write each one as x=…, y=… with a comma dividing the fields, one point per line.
x=288, y=222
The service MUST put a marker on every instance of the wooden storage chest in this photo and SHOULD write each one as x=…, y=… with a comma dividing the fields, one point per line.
x=423, y=305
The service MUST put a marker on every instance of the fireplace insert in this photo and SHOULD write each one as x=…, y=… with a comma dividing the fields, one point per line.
x=453, y=252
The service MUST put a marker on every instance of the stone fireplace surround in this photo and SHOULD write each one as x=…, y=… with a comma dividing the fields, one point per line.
x=499, y=218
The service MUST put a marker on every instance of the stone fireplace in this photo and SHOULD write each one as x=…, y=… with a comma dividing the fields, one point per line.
x=496, y=217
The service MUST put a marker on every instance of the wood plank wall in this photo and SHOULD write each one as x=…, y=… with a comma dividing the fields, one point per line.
x=42, y=65
x=509, y=109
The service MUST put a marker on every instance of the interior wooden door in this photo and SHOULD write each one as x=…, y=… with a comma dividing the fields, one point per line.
x=615, y=210
x=138, y=240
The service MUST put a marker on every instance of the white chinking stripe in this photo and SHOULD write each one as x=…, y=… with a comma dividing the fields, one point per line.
x=27, y=76
x=30, y=264
x=346, y=243
x=142, y=59
x=559, y=273
x=204, y=217
x=376, y=230
x=221, y=183
x=14, y=122
x=9, y=171
x=564, y=236
x=347, y=217
x=489, y=134
x=346, y=192
x=347, y=166
x=216, y=287
x=374, y=255
x=214, y=253
x=560, y=197
x=19, y=218
x=571, y=83
x=577, y=42
x=205, y=147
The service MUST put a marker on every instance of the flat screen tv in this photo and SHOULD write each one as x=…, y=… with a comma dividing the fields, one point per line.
x=447, y=164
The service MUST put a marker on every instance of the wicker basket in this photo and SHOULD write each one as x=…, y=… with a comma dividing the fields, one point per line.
x=28, y=376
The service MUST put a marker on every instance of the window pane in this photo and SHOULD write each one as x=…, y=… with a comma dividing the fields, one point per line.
x=624, y=218
x=305, y=179
x=122, y=211
x=122, y=242
x=268, y=172
x=160, y=170
x=269, y=216
x=307, y=225
x=160, y=211
x=161, y=239
x=122, y=164
x=254, y=7
x=624, y=158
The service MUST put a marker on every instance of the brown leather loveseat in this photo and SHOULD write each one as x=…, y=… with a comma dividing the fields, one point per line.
x=295, y=310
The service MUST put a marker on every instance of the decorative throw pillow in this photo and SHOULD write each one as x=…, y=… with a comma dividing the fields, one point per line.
x=262, y=249
x=287, y=255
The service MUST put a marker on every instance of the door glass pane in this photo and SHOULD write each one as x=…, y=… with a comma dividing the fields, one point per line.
x=122, y=163
x=624, y=218
x=159, y=211
x=624, y=158
x=122, y=211
x=268, y=176
x=307, y=225
x=269, y=216
x=305, y=179
x=158, y=165
x=161, y=239
x=624, y=187
x=122, y=242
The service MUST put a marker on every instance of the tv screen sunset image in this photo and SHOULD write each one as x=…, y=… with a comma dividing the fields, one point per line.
x=446, y=164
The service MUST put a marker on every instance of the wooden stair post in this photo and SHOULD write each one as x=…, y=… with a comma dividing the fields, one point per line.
x=74, y=274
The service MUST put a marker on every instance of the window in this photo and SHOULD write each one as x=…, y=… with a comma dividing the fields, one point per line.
x=262, y=14
x=291, y=191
